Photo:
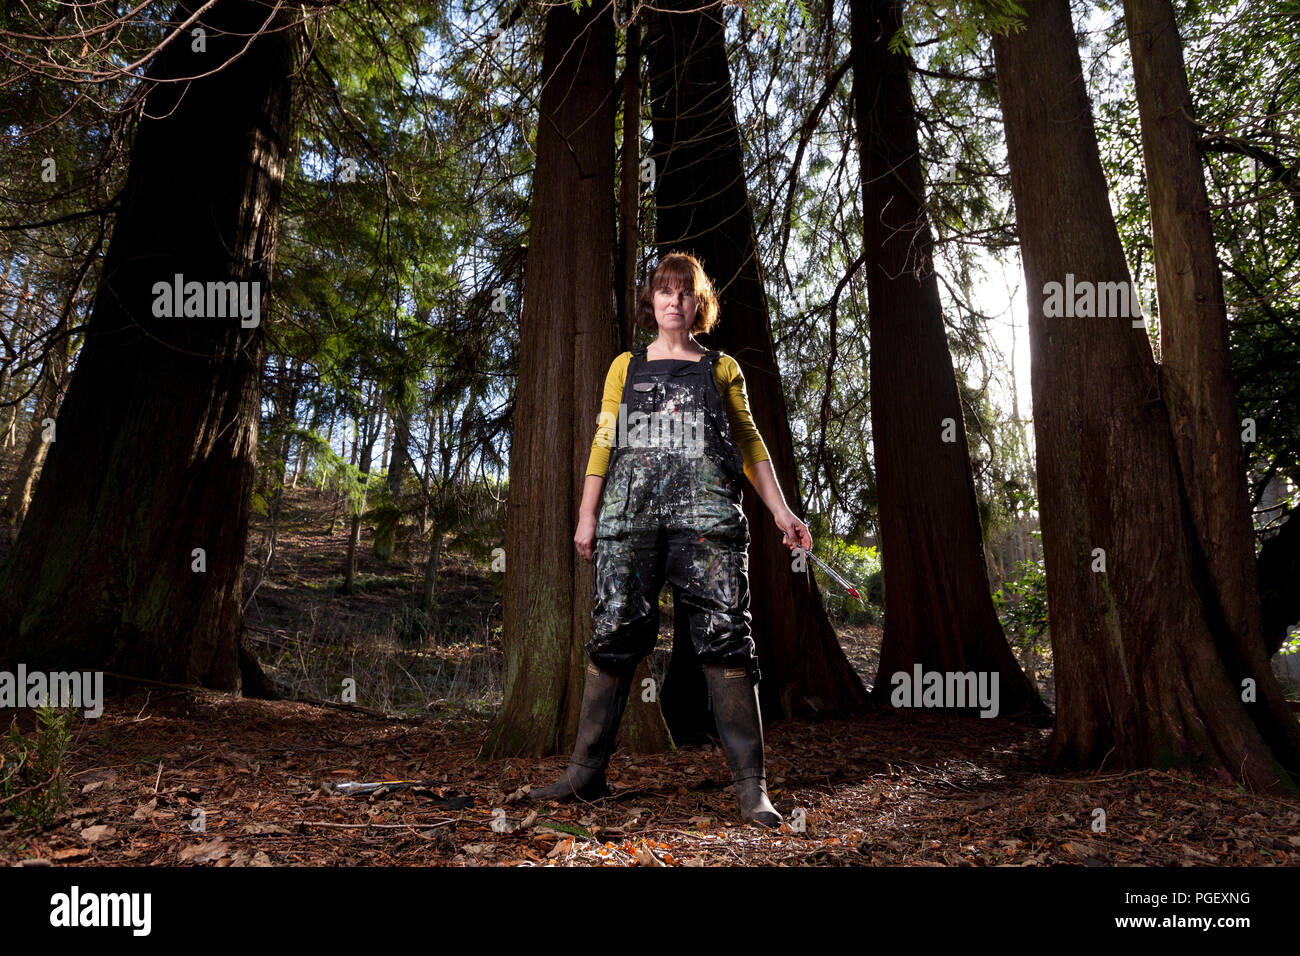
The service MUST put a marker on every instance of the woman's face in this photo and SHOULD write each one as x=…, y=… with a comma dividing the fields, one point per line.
x=674, y=307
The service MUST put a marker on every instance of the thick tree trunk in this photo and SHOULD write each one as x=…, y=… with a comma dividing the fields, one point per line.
x=701, y=205
x=568, y=336
x=1138, y=675
x=685, y=688
x=1196, y=378
x=157, y=436
x=629, y=206
x=939, y=613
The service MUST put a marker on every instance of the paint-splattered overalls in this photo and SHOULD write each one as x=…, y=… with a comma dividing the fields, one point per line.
x=671, y=508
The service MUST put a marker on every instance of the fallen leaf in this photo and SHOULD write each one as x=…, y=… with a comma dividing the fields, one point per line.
x=646, y=857
x=205, y=852
x=71, y=853
x=96, y=833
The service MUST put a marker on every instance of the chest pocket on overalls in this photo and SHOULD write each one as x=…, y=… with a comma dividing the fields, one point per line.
x=643, y=402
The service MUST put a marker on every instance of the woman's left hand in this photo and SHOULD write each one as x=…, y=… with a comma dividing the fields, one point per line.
x=795, y=531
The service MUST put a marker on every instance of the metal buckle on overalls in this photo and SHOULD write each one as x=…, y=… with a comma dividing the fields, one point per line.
x=732, y=672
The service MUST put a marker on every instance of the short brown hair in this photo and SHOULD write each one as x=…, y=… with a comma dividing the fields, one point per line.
x=687, y=271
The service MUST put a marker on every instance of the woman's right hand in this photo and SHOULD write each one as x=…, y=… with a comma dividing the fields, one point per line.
x=585, y=537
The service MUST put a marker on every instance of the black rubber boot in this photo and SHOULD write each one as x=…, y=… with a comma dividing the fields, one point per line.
x=603, y=699
x=740, y=726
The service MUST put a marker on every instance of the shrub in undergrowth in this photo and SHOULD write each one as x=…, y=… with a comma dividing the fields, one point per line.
x=32, y=782
x=1021, y=604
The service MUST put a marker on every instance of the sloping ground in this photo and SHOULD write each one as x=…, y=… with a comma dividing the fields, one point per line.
x=886, y=788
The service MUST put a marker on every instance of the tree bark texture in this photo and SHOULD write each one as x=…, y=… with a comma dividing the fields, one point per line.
x=568, y=336
x=1139, y=678
x=939, y=613
x=1196, y=366
x=157, y=436
x=702, y=206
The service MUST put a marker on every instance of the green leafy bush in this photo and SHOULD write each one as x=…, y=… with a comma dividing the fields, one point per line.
x=1021, y=604
x=32, y=784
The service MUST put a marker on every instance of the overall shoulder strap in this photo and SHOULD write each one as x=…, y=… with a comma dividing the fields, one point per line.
x=715, y=356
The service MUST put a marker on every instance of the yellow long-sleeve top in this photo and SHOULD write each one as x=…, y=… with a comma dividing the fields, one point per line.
x=731, y=383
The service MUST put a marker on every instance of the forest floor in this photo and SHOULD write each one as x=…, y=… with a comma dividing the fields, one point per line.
x=170, y=776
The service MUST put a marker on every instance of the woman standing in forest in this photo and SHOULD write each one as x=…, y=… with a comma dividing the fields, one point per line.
x=678, y=421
